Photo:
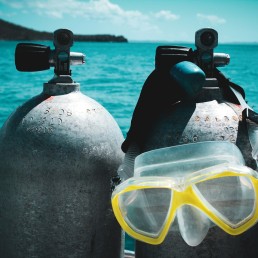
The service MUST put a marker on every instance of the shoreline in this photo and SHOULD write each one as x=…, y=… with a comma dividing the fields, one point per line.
x=13, y=32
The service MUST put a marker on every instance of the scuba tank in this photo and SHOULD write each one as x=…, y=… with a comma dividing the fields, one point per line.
x=175, y=109
x=58, y=152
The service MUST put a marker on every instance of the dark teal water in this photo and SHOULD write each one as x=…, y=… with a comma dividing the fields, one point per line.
x=113, y=75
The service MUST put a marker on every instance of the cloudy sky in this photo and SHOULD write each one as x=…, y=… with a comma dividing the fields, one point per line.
x=158, y=20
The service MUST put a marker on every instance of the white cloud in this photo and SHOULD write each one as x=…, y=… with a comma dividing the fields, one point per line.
x=13, y=4
x=92, y=9
x=213, y=19
x=96, y=10
x=104, y=13
x=166, y=15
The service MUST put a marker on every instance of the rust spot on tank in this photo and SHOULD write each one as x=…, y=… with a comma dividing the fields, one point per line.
x=197, y=119
x=50, y=98
x=235, y=118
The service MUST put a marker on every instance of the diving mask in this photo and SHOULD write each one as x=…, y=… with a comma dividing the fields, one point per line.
x=193, y=183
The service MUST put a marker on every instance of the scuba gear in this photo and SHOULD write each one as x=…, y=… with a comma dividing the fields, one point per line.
x=169, y=83
x=58, y=152
x=166, y=116
x=209, y=176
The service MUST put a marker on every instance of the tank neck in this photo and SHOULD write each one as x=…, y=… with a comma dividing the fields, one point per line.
x=208, y=94
x=210, y=91
x=60, y=85
x=55, y=89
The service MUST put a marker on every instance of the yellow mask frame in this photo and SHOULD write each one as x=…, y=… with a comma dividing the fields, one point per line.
x=186, y=194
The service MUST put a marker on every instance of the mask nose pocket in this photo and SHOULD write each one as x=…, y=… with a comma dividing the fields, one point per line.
x=193, y=224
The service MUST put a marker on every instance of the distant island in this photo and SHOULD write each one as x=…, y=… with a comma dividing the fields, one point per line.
x=10, y=31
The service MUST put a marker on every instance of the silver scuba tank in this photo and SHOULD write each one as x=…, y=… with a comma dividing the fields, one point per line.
x=211, y=113
x=58, y=152
x=208, y=117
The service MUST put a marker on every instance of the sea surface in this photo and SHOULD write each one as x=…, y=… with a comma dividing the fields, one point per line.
x=114, y=74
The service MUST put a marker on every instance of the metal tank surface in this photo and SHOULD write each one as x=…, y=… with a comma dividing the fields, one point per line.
x=211, y=115
x=58, y=151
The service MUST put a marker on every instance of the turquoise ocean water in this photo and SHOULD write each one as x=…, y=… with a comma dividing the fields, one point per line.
x=114, y=74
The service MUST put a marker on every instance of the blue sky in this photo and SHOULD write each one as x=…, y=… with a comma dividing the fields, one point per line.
x=157, y=20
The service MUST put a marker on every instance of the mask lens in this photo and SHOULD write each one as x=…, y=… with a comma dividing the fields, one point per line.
x=232, y=198
x=146, y=210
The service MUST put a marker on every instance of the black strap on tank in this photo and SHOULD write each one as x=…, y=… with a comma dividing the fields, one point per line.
x=250, y=114
x=159, y=91
x=225, y=84
x=248, y=117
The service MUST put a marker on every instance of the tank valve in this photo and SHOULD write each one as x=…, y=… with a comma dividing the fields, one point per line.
x=31, y=57
x=205, y=41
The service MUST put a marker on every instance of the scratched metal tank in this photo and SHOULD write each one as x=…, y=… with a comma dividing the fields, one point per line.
x=59, y=151
x=207, y=117
x=210, y=115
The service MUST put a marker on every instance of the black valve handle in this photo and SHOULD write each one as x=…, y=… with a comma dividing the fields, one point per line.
x=31, y=57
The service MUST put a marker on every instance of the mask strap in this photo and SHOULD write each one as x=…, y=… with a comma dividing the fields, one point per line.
x=126, y=169
x=249, y=113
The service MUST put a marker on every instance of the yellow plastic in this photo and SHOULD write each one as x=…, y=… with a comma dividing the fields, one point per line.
x=186, y=196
